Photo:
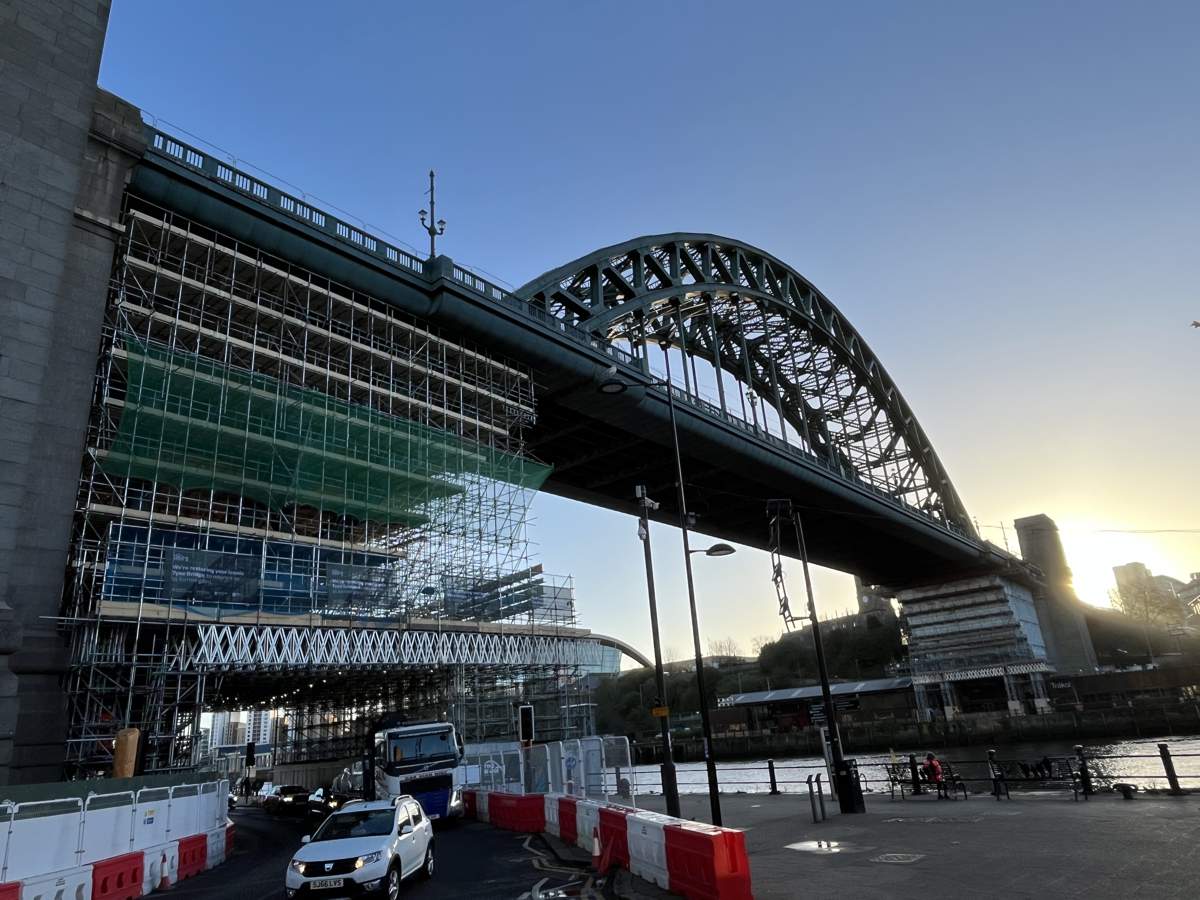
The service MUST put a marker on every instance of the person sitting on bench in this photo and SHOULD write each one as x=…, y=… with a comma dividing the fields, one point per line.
x=933, y=774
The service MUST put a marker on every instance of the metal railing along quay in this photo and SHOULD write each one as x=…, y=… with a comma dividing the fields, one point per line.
x=1174, y=771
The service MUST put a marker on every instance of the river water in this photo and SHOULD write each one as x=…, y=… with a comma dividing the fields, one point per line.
x=1136, y=761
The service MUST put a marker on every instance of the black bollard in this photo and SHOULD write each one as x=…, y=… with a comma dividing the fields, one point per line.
x=1085, y=777
x=368, y=776
x=916, y=774
x=771, y=773
x=994, y=771
x=1169, y=765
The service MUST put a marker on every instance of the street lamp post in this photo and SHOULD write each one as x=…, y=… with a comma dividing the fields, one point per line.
x=670, y=785
x=614, y=385
x=849, y=792
x=714, y=797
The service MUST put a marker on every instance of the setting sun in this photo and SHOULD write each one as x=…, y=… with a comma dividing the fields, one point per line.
x=1092, y=551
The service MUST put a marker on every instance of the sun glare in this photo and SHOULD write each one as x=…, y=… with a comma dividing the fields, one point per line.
x=1092, y=553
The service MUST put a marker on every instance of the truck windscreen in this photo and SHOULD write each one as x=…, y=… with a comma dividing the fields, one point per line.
x=412, y=749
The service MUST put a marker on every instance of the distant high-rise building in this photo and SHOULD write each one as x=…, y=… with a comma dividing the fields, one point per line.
x=216, y=731
x=1155, y=598
x=258, y=726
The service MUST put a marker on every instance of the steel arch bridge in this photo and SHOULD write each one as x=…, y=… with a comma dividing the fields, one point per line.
x=778, y=394
x=747, y=316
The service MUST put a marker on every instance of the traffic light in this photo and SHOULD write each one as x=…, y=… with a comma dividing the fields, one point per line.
x=249, y=754
x=525, y=724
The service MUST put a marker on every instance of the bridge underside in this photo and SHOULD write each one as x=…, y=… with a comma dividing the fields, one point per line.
x=599, y=461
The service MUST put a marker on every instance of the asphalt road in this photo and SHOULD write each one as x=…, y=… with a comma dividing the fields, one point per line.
x=473, y=860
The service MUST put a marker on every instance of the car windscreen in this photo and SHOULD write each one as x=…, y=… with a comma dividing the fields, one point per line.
x=364, y=823
x=293, y=789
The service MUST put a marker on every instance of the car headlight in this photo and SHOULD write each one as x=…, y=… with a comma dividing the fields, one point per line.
x=456, y=798
x=333, y=804
x=368, y=859
x=288, y=799
x=297, y=866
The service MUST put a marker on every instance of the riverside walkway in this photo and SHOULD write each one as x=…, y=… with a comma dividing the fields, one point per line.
x=1036, y=845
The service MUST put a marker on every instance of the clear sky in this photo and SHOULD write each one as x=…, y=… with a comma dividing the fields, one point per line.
x=1004, y=199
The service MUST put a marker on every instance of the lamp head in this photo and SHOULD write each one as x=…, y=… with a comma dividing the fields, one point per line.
x=612, y=383
x=720, y=550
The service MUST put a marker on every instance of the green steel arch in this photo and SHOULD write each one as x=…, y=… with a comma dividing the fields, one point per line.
x=739, y=310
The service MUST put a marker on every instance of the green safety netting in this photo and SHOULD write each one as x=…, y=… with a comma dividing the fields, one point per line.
x=195, y=423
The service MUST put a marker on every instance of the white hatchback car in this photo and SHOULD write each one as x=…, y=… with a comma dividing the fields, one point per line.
x=364, y=849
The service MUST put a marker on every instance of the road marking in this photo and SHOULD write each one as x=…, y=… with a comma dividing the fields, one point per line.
x=901, y=858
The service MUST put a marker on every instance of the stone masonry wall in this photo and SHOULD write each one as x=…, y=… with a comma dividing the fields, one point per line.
x=66, y=149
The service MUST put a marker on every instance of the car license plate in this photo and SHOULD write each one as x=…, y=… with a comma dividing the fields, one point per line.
x=323, y=883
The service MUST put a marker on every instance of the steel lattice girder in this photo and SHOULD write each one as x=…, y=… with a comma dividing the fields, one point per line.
x=758, y=319
x=231, y=648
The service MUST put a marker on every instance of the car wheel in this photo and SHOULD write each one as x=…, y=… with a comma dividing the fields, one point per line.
x=427, y=868
x=393, y=883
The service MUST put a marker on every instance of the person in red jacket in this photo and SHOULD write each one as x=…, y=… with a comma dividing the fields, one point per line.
x=933, y=772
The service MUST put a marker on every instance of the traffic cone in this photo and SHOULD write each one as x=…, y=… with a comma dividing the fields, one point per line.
x=601, y=856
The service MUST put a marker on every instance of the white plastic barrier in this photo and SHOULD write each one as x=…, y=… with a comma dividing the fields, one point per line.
x=552, y=814
x=6, y=814
x=587, y=821
x=216, y=847
x=481, y=806
x=67, y=884
x=107, y=826
x=44, y=837
x=183, y=817
x=647, y=846
x=160, y=863
x=150, y=817
x=206, y=808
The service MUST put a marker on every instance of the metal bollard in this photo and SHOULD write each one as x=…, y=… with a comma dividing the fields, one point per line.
x=916, y=774
x=1169, y=765
x=821, y=796
x=1085, y=777
x=812, y=798
x=771, y=773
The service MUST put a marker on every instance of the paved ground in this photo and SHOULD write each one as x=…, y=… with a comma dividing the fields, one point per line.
x=1034, y=846
x=473, y=860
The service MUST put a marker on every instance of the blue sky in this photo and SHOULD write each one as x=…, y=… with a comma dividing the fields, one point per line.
x=1005, y=200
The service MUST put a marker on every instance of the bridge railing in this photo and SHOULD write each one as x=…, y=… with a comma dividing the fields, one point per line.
x=302, y=210
x=299, y=208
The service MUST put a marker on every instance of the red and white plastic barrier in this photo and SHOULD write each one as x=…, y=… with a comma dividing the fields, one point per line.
x=648, y=846
x=68, y=884
x=701, y=862
x=160, y=868
x=115, y=846
x=550, y=805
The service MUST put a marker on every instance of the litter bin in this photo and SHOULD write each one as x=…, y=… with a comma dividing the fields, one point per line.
x=849, y=791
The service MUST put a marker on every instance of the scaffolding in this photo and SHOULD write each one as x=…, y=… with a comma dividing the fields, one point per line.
x=269, y=446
